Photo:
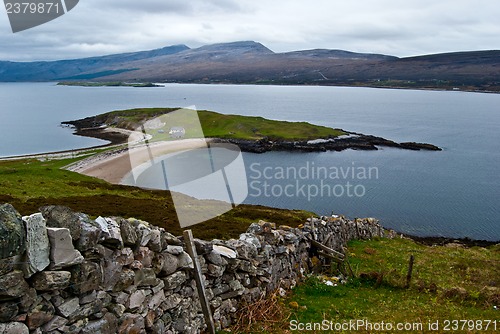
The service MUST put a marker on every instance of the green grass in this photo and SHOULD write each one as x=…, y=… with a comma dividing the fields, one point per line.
x=448, y=283
x=30, y=184
x=217, y=125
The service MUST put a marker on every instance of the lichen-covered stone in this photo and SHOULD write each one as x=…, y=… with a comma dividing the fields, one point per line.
x=14, y=328
x=51, y=280
x=42, y=313
x=90, y=234
x=12, y=285
x=12, y=232
x=8, y=311
x=110, y=231
x=128, y=232
x=62, y=217
x=37, y=245
x=85, y=277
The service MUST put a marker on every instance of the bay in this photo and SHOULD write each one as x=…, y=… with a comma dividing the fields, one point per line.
x=452, y=193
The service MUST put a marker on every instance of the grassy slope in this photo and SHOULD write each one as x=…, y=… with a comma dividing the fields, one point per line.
x=217, y=125
x=30, y=184
x=448, y=283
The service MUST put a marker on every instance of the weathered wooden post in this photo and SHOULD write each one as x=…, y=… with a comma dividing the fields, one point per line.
x=200, y=284
x=410, y=270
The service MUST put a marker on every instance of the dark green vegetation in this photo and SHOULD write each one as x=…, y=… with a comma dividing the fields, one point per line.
x=106, y=84
x=449, y=282
x=217, y=125
x=30, y=184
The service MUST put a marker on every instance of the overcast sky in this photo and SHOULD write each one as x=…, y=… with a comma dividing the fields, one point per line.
x=400, y=28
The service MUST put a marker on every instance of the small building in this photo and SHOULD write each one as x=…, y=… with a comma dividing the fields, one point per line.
x=177, y=132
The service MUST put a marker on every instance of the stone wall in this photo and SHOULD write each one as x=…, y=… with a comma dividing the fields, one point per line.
x=62, y=272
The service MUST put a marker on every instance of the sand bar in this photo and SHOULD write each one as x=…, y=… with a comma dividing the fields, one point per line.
x=113, y=166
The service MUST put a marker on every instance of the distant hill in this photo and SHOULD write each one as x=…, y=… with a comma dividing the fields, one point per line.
x=251, y=62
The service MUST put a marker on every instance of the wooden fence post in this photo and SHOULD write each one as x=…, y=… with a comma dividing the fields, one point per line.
x=200, y=284
x=410, y=270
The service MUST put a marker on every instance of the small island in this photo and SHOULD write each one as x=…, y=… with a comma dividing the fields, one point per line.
x=251, y=134
x=108, y=84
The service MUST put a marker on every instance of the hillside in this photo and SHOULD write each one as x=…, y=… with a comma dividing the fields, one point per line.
x=251, y=62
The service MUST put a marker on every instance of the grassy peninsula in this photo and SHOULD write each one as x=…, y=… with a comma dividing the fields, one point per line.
x=252, y=134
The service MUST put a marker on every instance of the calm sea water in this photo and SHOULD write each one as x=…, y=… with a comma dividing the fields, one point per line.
x=452, y=193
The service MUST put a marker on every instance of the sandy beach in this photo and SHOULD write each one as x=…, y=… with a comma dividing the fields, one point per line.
x=113, y=166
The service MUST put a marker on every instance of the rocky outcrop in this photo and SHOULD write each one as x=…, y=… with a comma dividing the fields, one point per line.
x=126, y=276
x=352, y=141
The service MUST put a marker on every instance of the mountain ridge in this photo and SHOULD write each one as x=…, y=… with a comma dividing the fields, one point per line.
x=252, y=62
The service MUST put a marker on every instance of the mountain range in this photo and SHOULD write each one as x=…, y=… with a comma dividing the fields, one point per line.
x=252, y=62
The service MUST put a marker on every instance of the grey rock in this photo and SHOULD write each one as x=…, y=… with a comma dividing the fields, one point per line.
x=143, y=233
x=174, y=250
x=170, y=264
x=111, y=232
x=55, y=323
x=175, y=280
x=13, y=285
x=85, y=278
x=216, y=258
x=131, y=323
x=7, y=264
x=169, y=239
x=158, y=287
x=155, y=243
x=245, y=249
x=90, y=234
x=14, y=328
x=220, y=289
x=107, y=325
x=111, y=269
x=62, y=252
x=12, y=232
x=125, y=280
x=125, y=257
x=214, y=270
x=75, y=328
x=225, y=251
x=69, y=307
x=88, y=298
x=146, y=278
x=40, y=314
x=185, y=261
x=136, y=299
x=118, y=309
x=145, y=256
x=203, y=247
x=8, y=311
x=27, y=300
x=156, y=300
x=254, y=228
x=250, y=238
x=51, y=280
x=37, y=245
x=171, y=301
x=129, y=235
x=85, y=311
x=62, y=217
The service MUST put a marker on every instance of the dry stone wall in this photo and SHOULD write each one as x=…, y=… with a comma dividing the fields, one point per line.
x=62, y=272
